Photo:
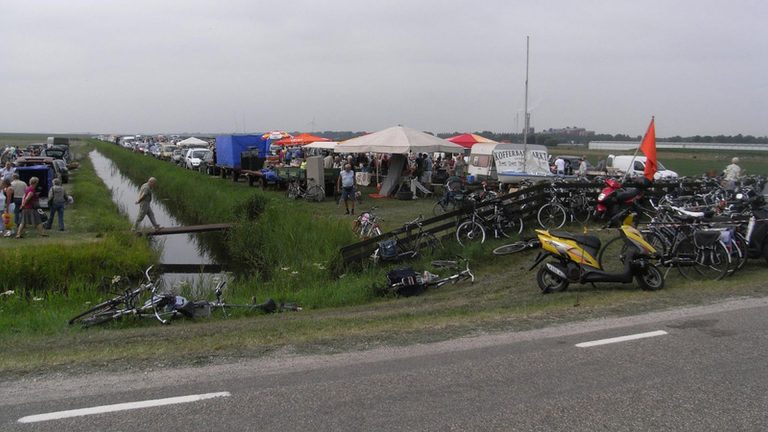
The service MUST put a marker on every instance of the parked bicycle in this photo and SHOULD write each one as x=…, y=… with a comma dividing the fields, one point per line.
x=296, y=190
x=367, y=225
x=408, y=244
x=494, y=217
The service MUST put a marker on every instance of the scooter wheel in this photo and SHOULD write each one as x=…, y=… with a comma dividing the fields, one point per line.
x=651, y=279
x=549, y=282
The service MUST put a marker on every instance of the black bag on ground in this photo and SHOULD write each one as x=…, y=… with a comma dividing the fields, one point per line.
x=406, y=282
x=42, y=215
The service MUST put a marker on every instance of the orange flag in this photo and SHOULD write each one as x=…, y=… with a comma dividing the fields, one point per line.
x=648, y=147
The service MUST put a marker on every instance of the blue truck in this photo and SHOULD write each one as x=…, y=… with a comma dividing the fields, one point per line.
x=229, y=150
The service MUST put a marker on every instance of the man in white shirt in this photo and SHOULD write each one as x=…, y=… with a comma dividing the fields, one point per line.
x=560, y=166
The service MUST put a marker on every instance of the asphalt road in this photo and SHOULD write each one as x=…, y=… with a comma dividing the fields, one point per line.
x=703, y=370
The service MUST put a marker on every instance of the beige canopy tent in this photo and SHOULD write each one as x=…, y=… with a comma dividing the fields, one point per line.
x=192, y=141
x=398, y=141
x=324, y=145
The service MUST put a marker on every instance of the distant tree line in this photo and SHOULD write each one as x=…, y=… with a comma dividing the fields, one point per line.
x=549, y=139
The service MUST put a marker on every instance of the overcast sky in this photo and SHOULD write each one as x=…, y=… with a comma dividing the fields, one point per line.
x=142, y=66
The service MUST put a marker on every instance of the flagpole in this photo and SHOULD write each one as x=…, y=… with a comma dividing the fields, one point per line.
x=632, y=161
x=525, y=109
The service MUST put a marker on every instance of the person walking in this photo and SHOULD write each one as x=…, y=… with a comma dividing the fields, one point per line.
x=345, y=184
x=29, y=214
x=19, y=189
x=732, y=173
x=144, y=200
x=458, y=166
x=428, y=167
x=57, y=199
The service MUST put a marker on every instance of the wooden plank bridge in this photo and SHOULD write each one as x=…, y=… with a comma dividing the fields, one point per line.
x=190, y=229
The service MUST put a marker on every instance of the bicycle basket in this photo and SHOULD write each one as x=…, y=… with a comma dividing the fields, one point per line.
x=405, y=282
x=388, y=249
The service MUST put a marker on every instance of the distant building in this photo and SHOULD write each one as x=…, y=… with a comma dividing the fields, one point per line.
x=571, y=131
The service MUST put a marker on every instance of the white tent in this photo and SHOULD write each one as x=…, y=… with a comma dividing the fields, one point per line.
x=324, y=145
x=192, y=141
x=398, y=140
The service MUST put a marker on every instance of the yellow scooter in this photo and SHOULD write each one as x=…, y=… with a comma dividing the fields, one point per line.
x=575, y=260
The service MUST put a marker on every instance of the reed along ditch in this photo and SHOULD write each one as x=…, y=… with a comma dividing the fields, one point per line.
x=191, y=258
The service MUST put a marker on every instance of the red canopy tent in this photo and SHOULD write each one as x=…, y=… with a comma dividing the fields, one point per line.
x=468, y=140
x=300, y=139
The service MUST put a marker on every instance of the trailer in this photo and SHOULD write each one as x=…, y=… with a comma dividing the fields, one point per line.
x=229, y=149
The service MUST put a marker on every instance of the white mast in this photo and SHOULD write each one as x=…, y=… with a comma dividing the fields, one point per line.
x=526, y=118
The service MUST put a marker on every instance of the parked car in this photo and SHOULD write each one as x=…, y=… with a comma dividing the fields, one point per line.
x=177, y=157
x=194, y=157
x=166, y=151
x=58, y=152
x=39, y=160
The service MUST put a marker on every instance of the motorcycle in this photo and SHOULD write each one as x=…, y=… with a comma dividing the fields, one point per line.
x=614, y=198
x=575, y=260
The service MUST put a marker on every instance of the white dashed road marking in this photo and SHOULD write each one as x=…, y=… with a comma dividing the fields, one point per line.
x=120, y=407
x=621, y=339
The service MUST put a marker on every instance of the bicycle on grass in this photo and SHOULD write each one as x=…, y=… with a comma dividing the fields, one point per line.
x=142, y=302
x=296, y=190
x=407, y=246
x=406, y=282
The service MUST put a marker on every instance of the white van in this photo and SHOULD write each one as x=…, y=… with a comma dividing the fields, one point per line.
x=635, y=166
x=508, y=163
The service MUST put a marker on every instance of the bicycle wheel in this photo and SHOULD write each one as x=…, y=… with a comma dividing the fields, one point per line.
x=739, y=251
x=510, y=226
x=315, y=193
x=551, y=216
x=580, y=209
x=469, y=232
x=701, y=263
x=98, y=314
x=611, y=256
x=441, y=208
x=428, y=241
x=515, y=247
x=712, y=262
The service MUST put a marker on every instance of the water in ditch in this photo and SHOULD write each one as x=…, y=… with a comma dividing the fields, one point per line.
x=175, y=249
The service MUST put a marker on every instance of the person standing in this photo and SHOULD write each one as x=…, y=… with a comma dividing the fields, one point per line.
x=57, y=199
x=7, y=172
x=560, y=166
x=458, y=166
x=19, y=189
x=345, y=184
x=328, y=161
x=582, y=167
x=29, y=214
x=732, y=173
x=428, y=167
x=7, y=191
x=144, y=200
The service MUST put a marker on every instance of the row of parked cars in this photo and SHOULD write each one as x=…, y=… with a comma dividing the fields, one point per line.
x=188, y=157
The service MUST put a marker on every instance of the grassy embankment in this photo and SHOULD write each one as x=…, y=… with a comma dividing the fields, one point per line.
x=504, y=297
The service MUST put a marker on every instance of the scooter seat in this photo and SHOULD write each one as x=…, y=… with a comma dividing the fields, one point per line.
x=586, y=240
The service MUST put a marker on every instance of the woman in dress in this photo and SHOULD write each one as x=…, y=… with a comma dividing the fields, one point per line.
x=29, y=214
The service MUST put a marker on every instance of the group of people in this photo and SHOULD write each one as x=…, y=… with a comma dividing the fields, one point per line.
x=23, y=201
